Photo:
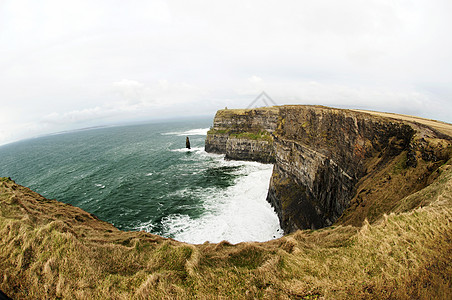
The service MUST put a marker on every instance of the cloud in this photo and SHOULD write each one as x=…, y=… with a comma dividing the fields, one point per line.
x=405, y=100
x=255, y=79
x=74, y=63
x=159, y=93
x=77, y=116
x=131, y=90
x=133, y=98
x=13, y=126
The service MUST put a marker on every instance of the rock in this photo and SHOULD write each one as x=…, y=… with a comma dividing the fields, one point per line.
x=187, y=143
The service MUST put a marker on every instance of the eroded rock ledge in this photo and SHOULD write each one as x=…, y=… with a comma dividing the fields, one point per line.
x=329, y=160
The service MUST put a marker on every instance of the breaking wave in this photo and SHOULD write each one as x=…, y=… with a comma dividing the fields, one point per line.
x=198, y=131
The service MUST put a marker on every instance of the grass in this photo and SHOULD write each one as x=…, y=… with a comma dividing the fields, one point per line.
x=400, y=164
x=227, y=113
x=259, y=136
x=404, y=255
x=218, y=131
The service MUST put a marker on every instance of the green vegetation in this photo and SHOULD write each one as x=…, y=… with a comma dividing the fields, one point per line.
x=400, y=164
x=261, y=135
x=218, y=131
x=227, y=113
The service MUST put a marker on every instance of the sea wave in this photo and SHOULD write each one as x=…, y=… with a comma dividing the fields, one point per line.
x=194, y=149
x=197, y=131
x=239, y=213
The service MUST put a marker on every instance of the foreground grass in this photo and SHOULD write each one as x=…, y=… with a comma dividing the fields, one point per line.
x=52, y=250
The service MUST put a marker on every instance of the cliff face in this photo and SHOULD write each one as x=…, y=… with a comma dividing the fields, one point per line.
x=323, y=157
x=244, y=134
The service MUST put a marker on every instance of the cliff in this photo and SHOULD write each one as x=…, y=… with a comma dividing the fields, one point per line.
x=332, y=165
x=244, y=134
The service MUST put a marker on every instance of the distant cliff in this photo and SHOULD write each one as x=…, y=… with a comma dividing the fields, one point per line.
x=329, y=160
x=244, y=134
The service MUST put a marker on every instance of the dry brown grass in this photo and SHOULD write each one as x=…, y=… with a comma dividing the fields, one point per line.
x=228, y=112
x=53, y=250
x=442, y=127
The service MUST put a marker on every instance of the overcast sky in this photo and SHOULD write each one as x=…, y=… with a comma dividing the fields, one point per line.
x=73, y=64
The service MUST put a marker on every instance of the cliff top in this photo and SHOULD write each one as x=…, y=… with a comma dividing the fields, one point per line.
x=227, y=112
x=442, y=127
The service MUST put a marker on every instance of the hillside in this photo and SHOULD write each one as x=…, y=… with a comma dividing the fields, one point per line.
x=390, y=237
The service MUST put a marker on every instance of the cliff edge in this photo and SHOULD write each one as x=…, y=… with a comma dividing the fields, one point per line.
x=334, y=165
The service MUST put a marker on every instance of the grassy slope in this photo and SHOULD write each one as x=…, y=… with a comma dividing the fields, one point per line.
x=388, y=181
x=49, y=250
x=442, y=127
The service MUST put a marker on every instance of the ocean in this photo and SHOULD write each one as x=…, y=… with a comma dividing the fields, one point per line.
x=141, y=177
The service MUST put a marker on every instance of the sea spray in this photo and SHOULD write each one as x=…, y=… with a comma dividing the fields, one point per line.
x=236, y=214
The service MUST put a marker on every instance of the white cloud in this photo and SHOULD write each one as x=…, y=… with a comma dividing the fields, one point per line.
x=255, y=79
x=159, y=93
x=76, y=116
x=134, y=98
x=405, y=100
x=130, y=90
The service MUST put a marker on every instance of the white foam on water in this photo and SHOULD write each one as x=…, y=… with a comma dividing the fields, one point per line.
x=197, y=131
x=194, y=149
x=100, y=185
x=146, y=226
x=237, y=214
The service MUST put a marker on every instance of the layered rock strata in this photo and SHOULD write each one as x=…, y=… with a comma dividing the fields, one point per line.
x=244, y=134
x=322, y=157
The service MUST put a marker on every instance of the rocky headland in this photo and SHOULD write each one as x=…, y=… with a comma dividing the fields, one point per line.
x=332, y=165
x=378, y=185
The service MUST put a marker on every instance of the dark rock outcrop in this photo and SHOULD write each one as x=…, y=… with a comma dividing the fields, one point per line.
x=187, y=143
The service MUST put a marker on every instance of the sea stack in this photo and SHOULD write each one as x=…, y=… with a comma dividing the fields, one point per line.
x=187, y=143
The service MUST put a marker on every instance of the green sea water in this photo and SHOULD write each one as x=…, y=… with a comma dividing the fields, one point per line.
x=141, y=177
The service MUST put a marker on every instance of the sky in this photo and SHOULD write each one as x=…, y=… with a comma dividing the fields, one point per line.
x=72, y=64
